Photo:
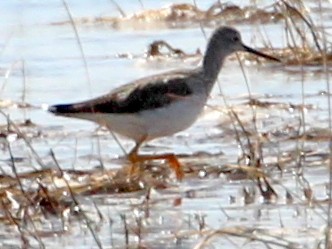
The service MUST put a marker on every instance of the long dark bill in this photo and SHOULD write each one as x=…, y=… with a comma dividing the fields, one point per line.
x=253, y=51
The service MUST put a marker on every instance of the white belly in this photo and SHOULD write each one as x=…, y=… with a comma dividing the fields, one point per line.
x=150, y=124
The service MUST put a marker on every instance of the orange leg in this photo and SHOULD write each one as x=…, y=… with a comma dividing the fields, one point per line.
x=171, y=158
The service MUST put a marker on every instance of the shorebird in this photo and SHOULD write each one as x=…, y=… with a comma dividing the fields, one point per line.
x=162, y=104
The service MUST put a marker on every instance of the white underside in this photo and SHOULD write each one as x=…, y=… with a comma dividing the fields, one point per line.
x=150, y=124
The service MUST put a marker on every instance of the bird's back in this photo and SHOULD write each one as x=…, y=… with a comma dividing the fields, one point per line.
x=146, y=93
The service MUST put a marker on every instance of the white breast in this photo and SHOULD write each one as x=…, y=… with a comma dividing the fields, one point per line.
x=159, y=122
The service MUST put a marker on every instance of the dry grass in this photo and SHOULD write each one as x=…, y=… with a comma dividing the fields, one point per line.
x=183, y=15
x=35, y=196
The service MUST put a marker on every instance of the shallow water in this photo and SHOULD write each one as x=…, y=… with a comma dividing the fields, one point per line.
x=41, y=65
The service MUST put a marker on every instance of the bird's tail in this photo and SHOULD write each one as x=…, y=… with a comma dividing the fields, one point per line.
x=62, y=109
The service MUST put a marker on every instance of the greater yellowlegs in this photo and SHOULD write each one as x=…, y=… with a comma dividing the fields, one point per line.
x=163, y=104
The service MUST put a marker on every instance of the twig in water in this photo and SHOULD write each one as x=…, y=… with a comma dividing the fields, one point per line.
x=26, y=140
x=79, y=45
x=126, y=231
x=72, y=195
x=123, y=14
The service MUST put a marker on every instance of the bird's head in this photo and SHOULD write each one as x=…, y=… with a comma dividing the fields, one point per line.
x=228, y=40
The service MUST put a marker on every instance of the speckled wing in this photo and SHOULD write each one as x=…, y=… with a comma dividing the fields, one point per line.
x=146, y=93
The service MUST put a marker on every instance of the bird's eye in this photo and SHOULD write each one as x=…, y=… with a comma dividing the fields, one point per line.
x=236, y=38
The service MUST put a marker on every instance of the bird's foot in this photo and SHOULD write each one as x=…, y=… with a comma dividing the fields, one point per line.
x=171, y=158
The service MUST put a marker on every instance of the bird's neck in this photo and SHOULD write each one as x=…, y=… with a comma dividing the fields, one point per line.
x=212, y=62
